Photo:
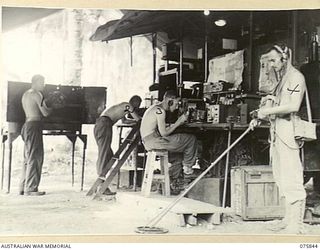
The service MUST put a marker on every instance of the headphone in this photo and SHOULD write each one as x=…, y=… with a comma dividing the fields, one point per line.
x=170, y=103
x=284, y=52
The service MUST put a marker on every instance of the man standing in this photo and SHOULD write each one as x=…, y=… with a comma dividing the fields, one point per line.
x=35, y=107
x=156, y=134
x=103, y=132
x=284, y=149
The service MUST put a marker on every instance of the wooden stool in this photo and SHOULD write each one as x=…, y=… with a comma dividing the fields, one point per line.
x=149, y=176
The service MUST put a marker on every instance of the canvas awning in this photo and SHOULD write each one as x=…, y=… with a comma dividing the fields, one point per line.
x=143, y=22
x=179, y=24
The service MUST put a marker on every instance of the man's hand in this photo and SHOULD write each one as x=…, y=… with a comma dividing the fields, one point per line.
x=262, y=114
x=254, y=114
x=254, y=123
x=268, y=101
x=269, y=97
x=182, y=119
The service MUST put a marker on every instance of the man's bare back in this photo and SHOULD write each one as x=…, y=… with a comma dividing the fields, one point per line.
x=117, y=112
x=34, y=106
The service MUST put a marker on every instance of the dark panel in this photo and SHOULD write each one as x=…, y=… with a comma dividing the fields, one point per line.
x=73, y=112
x=83, y=105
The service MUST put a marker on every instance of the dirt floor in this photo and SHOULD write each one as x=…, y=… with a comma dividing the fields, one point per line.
x=65, y=210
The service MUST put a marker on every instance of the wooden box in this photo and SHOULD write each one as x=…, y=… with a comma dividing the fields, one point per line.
x=254, y=194
x=208, y=190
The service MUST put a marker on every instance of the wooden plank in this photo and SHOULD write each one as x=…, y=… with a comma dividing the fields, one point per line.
x=264, y=213
x=190, y=206
x=113, y=160
x=94, y=187
x=208, y=190
x=271, y=194
x=112, y=173
x=255, y=195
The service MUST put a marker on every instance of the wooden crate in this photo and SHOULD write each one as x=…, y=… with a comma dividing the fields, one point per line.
x=254, y=194
x=209, y=190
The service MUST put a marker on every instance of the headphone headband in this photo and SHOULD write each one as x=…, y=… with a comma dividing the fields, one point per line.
x=284, y=51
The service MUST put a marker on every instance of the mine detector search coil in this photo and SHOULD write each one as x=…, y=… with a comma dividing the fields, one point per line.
x=150, y=228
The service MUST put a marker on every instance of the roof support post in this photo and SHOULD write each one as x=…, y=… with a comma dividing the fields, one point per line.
x=131, y=56
x=205, y=58
x=250, y=51
x=154, y=48
x=294, y=33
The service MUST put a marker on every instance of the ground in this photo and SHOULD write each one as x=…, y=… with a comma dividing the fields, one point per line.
x=65, y=210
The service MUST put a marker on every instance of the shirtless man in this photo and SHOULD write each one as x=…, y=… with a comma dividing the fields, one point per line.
x=35, y=108
x=156, y=134
x=103, y=132
x=284, y=149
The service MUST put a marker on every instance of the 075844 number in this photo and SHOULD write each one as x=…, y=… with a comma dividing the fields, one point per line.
x=307, y=246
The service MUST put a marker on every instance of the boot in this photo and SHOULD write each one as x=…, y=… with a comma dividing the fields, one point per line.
x=282, y=224
x=109, y=192
x=295, y=224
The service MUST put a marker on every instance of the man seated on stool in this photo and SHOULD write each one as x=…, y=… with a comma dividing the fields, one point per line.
x=103, y=132
x=156, y=134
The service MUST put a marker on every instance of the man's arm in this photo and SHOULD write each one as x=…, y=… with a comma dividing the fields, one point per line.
x=135, y=116
x=161, y=122
x=130, y=110
x=46, y=111
x=296, y=90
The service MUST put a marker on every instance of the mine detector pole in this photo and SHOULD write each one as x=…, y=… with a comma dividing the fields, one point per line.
x=116, y=162
x=158, y=217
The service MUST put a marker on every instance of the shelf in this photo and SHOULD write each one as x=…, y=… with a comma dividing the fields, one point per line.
x=248, y=96
x=221, y=92
x=168, y=72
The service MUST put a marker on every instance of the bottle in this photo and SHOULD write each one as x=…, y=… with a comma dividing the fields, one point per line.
x=314, y=57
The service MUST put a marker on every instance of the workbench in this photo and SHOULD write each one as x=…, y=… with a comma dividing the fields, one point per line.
x=229, y=128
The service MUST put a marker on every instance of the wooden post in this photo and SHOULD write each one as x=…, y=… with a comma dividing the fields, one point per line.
x=84, y=140
x=131, y=56
x=206, y=58
x=294, y=21
x=181, y=64
x=250, y=51
x=3, y=156
x=10, y=164
x=154, y=48
x=72, y=163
